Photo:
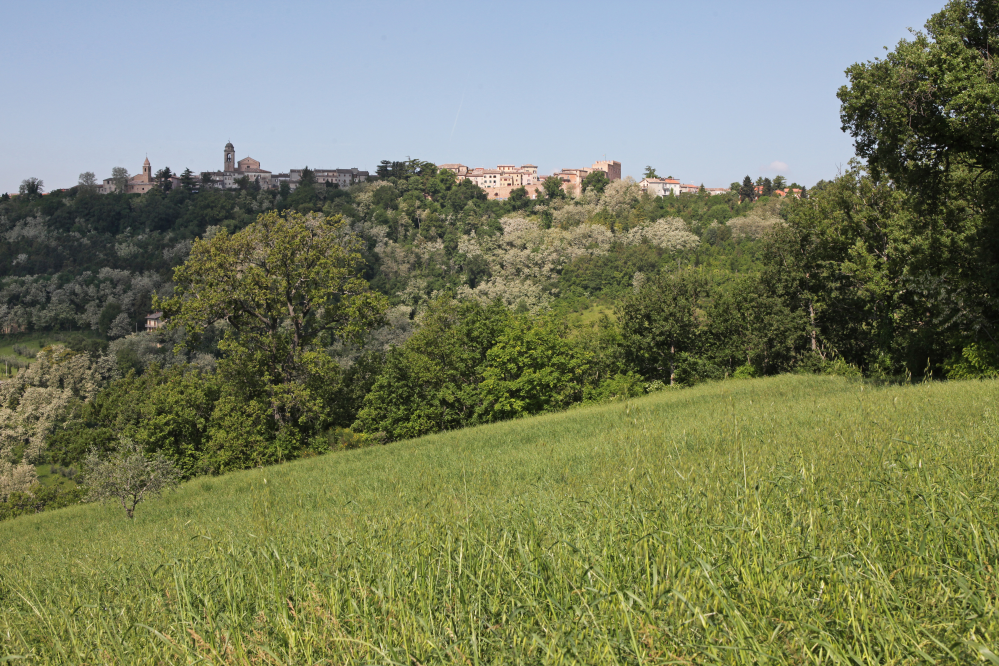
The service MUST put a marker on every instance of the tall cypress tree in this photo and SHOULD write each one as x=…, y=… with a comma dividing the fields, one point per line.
x=747, y=192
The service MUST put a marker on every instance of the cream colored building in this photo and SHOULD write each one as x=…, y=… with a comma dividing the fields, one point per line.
x=660, y=187
x=342, y=178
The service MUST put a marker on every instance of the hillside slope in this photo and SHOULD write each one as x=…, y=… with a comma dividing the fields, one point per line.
x=795, y=519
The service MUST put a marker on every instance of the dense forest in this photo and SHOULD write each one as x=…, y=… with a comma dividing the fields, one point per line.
x=310, y=321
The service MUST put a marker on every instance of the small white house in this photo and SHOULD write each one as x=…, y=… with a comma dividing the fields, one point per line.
x=660, y=187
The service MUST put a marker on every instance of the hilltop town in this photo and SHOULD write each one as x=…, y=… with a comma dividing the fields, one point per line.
x=497, y=182
x=232, y=175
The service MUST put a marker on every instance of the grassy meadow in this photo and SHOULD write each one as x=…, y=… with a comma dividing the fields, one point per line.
x=796, y=519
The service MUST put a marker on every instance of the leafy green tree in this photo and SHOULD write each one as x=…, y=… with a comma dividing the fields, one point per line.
x=519, y=198
x=659, y=323
x=928, y=108
x=286, y=287
x=553, y=188
x=163, y=178
x=779, y=182
x=650, y=172
x=308, y=178
x=87, y=182
x=768, y=188
x=119, y=176
x=165, y=411
x=924, y=120
x=128, y=476
x=597, y=181
x=431, y=383
x=747, y=192
x=532, y=368
x=749, y=324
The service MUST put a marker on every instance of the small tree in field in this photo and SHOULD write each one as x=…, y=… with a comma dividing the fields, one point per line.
x=128, y=476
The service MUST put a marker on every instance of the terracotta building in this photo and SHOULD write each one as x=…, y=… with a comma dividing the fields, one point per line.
x=140, y=183
x=501, y=181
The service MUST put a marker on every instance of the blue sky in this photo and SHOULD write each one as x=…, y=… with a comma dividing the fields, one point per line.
x=704, y=91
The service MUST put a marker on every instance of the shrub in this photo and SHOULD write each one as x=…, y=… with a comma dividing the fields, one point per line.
x=619, y=387
x=25, y=351
x=974, y=362
x=128, y=476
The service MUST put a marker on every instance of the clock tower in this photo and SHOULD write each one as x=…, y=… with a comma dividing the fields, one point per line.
x=230, y=158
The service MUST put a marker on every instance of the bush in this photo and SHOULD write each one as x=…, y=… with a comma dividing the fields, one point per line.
x=25, y=351
x=618, y=387
x=344, y=439
x=974, y=362
x=128, y=476
x=841, y=368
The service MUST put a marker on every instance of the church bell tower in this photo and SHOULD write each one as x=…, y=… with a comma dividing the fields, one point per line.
x=230, y=158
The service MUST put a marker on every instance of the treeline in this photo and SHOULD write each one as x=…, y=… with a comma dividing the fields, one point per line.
x=80, y=260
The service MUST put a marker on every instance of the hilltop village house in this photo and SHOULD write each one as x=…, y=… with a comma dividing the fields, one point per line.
x=501, y=181
x=140, y=183
x=664, y=187
x=342, y=178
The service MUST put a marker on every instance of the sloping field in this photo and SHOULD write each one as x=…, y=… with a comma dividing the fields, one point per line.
x=786, y=520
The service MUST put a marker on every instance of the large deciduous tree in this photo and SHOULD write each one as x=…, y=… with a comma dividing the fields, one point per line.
x=119, y=176
x=660, y=322
x=284, y=288
x=31, y=187
x=926, y=120
x=87, y=182
x=931, y=105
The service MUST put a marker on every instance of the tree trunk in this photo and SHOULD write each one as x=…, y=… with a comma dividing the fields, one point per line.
x=811, y=315
x=672, y=365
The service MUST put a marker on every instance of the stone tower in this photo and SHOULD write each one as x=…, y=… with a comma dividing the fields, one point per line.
x=147, y=171
x=230, y=157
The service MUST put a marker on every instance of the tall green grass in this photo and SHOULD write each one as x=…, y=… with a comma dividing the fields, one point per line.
x=787, y=520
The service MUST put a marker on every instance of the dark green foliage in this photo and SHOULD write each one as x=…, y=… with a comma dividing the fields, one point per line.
x=924, y=119
x=596, y=181
x=768, y=188
x=553, y=188
x=748, y=191
x=166, y=411
x=660, y=321
x=748, y=324
x=532, y=368
x=431, y=383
